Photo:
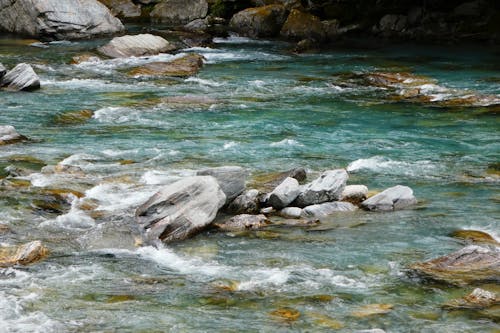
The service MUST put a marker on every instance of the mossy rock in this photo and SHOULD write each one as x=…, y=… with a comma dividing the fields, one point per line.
x=474, y=236
x=73, y=117
x=372, y=309
x=286, y=314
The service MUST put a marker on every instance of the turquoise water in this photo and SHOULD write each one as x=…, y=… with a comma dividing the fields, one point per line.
x=267, y=110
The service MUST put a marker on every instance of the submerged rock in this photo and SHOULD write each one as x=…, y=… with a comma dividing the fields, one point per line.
x=327, y=187
x=8, y=135
x=478, y=299
x=284, y=193
x=231, y=179
x=181, y=67
x=397, y=197
x=21, y=77
x=246, y=203
x=244, y=222
x=24, y=255
x=179, y=12
x=180, y=210
x=327, y=208
x=354, y=194
x=468, y=265
x=73, y=117
x=474, y=236
x=55, y=19
x=265, y=21
x=372, y=309
x=136, y=46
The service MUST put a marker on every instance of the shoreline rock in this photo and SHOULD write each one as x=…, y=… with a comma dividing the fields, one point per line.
x=284, y=194
x=243, y=222
x=327, y=187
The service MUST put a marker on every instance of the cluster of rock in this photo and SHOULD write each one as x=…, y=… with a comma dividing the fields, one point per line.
x=21, y=77
x=182, y=209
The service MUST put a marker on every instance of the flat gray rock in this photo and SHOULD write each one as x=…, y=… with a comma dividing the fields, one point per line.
x=231, y=179
x=179, y=12
x=327, y=208
x=136, y=46
x=393, y=198
x=56, y=19
x=327, y=187
x=284, y=193
x=21, y=77
x=180, y=210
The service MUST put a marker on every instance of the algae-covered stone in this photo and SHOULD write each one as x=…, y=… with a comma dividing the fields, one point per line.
x=470, y=264
x=181, y=67
x=136, y=46
x=73, y=117
x=474, y=236
x=265, y=21
x=287, y=314
x=477, y=299
x=24, y=255
x=372, y=309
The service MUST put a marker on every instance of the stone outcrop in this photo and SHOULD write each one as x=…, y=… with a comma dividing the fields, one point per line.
x=300, y=25
x=179, y=12
x=123, y=8
x=187, y=65
x=136, y=46
x=471, y=264
x=22, y=255
x=230, y=178
x=8, y=135
x=246, y=203
x=397, y=197
x=265, y=21
x=327, y=208
x=180, y=210
x=284, y=193
x=55, y=19
x=327, y=187
x=244, y=222
x=21, y=77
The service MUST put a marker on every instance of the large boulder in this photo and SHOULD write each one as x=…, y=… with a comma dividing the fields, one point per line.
x=395, y=23
x=265, y=21
x=22, y=255
x=243, y=222
x=284, y=193
x=470, y=264
x=245, y=203
x=21, y=77
x=327, y=187
x=230, y=178
x=123, y=8
x=3, y=70
x=187, y=65
x=56, y=19
x=8, y=135
x=136, y=46
x=180, y=210
x=300, y=25
x=179, y=12
x=393, y=198
x=327, y=208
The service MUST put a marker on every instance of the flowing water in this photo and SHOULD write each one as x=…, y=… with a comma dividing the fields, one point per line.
x=256, y=105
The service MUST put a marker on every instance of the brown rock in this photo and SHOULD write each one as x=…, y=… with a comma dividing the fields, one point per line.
x=73, y=117
x=474, y=236
x=300, y=25
x=265, y=21
x=243, y=222
x=24, y=254
x=186, y=66
x=478, y=299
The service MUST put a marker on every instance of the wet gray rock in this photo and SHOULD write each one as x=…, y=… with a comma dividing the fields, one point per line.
x=471, y=264
x=136, y=46
x=354, y=193
x=391, y=22
x=397, y=197
x=21, y=77
x=244, y=222
x=179, y=12
x=327, y=208
x=3, y=70
x=123, y=8
x=56, y=19
x=180, y=210
x=327, y=187
x=230, y=178
x=291, y=212
x=246, y=203
x=265, y=21
x=8, y=135
x=284, y=193
x=197, y=25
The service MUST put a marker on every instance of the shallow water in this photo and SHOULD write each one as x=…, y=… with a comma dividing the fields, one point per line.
x=267, y=110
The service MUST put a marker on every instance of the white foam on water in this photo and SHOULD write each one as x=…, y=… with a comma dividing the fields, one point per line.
x=156, y=177
x=239, y=40
x=286, y=142
x=265, y=278
x=92, y=84
x=116, y=114
x=386, y=165
x=74, y=219
x=116, y=153
x=118, y=197
x=204, y=82
x=80, y=160
x=229, y=145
